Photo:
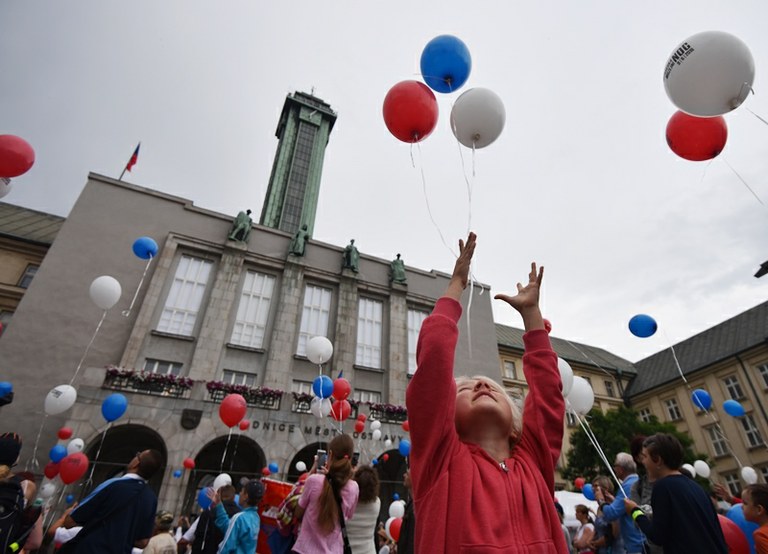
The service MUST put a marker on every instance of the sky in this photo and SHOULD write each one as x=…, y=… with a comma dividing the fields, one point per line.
x=581, y=179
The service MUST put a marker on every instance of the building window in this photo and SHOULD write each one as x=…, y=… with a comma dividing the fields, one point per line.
x=296, y=188
x=673, y=410
x=509, y=370
x=253, y=310
x=415, y=319
x=29, y=274
x=717, y=440
x=733, y=483
x=645, y=415
x=238, y=378
x=733, y=387
x=304, y=389
x=5, y=320
x=763, y=369
x=751, y=431
x=186, y=296
x=588, y=380
x=764, y=472
x=162, y=367
x=609, y=389
x=369, y=326
x=314, y=316
x=371, y=396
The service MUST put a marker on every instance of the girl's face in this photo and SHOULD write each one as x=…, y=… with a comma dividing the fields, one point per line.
x=751, y=511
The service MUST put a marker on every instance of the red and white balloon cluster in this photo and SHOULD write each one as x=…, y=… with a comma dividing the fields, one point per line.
x=707, y=75
x=410, y=107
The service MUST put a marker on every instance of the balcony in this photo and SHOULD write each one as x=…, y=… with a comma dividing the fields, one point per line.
x=154, y=384
x=256, y=397
x=388, y=413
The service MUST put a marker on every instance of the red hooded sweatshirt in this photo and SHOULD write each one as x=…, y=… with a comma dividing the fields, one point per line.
x=465, y=501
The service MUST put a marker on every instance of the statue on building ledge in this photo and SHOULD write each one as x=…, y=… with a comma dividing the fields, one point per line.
x=351, y=257
x=299, y=242
x=241, y=227
x=397, y=271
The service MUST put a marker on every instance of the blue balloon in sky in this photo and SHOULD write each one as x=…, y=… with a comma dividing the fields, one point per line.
x=733, y=408
x=5, y=388
x=588, y=491
x=273, y=467
x=701, y=399
x=404, y=447
x=202, y=498
x=145, y=248
x=642, y=326
x=445, y=63
x=177, y=473
x=114, y=406
x=322, y=386
x=57, y=453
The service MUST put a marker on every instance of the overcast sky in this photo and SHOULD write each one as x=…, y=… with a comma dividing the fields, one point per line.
x=581, y=179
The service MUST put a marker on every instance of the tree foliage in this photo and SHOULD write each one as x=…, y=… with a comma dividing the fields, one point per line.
x=614, y=430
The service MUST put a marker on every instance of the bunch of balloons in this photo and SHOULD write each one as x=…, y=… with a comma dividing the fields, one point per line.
x=578, y=393
x=707, y=75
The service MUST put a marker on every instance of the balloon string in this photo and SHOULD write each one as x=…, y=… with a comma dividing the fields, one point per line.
x=51, y=512
x=426, y=200
x=757, y=116
x=743, y=181
x=87, y=348
x=35, y=463
x=593, y=439
x=234, y=454
x=98, y=451
x=127, y=312
x=226, y=447
x=608, y=373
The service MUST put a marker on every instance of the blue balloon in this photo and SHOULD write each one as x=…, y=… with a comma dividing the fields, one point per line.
x=404, y=447
x=145, y=248
x=701, y=399
x=375, y=462
x=642, y=326
x=5, y=388
x=57, y=453
x=736, y=515
x=733, y=408
x=70, y=498
x=322, y=386
x=202, y=498
x=445, y=63
x=588, y=491
x=177, y=473
x=114, y=406
x=237, y=500
x=395, y=496
x=273, y=467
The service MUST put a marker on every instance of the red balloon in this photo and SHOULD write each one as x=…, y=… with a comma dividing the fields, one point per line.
x=547, y=326
x=51, y=470
x=359, y=426
x=340, y=410
x=72, y=467
x=265, y=471
x=394, y=528
x=16, y=156
x=64, y=433
x=244, y=425
x=385, y=457
x=734, y=537
x=696, y=138
x=410, y=111
x=232, y=409
x=362, y=417
x=406, y=426
x=341, y=389
x=579, y=482
x=189, y=463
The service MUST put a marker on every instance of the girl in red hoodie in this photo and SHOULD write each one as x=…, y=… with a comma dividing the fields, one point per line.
x=483, y=475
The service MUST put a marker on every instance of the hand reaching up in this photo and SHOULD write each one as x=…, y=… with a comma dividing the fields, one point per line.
x=460, y=276
x=526, y=301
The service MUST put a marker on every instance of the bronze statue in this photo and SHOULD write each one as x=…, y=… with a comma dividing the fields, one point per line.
x=351, y=257
x=241, y=227
x=299, y=242
x=397, y=271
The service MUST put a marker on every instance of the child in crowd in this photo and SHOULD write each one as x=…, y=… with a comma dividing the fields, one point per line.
x=241, y=530
x=482, y=473
x=755, y=506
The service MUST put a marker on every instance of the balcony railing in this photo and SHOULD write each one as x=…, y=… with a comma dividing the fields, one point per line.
x=388, y=413
x=256, y=397
x=147, y=383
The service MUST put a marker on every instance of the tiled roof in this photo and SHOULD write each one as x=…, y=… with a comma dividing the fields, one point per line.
x=29, y=224
x=570, y=351
x=740, y=333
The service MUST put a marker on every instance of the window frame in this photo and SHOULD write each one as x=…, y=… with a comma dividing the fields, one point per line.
x=167, y=322
x=316, y=310
x=413, y=335
x=732, y=382
x=29, y=274
x=156, y=363
x=672, y=405
x=369, y=343
x=259, y=322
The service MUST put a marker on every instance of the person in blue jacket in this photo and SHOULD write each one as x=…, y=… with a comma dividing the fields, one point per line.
x=625, y=469
x=241, y=531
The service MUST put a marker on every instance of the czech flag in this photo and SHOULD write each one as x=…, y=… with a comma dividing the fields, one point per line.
x=134, y=158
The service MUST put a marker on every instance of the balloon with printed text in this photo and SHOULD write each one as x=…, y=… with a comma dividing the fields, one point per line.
x=73, y=467
x=60, y=399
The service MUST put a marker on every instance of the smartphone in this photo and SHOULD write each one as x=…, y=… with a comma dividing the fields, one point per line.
x=355, y=459
x=322, y=457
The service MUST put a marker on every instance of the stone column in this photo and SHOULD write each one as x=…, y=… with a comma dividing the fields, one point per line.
x=397, y=376
x=345, y=337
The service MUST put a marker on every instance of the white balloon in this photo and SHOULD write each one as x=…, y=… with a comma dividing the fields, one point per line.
x=397, y=509
x=477, y=117
x=60, y=399
x=75, y=445
x=709, y=74
x=301, y=466
x=319, y=350
x=5, y=186
x=388, y=443
x=222, y=480
x=375, y=424
x=384, y=549
x=566, y=375
x=386, y=527
x=701, y=468
x=690, y=469
x=47, y=490
x=105, y=291
x=320, y=407
x=749, y=475
x=376, y=434
x=581, y=397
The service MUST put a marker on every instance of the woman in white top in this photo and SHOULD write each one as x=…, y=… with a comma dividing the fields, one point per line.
x=585, y=532
x=362, y=526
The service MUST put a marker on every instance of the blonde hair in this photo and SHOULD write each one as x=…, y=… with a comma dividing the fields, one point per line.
x=517, y=418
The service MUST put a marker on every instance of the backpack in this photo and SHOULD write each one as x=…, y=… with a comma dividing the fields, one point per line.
x=11, y=508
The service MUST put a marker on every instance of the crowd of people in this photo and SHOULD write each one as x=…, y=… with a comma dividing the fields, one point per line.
x=480, y=478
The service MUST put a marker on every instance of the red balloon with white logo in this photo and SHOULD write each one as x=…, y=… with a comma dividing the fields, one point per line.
x=73, y=467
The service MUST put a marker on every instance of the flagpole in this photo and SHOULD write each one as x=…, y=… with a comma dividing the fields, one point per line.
x=133, y=159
